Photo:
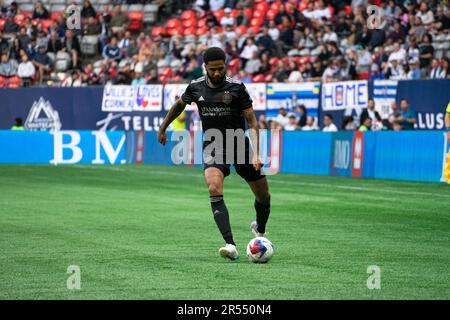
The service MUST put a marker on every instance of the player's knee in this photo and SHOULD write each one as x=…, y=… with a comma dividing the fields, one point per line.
x=214, y=189
x=264, y=198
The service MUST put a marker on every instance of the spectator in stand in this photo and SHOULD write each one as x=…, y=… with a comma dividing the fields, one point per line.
x=92, y=28
x=88, y=10
x=425, y=15
x=281, y=73
x=119, y=20
x=18, y=124
x=40, y=11
x=26, y=70
x=54, y=44
x=310, y=124
x=371, y=113
x=292, y=124
x=265, y=42
x=348, y=124
x=394, y=70
x=329, y=126
x=253, y=65
x=42, y=63
x=414, y=71
x=366, y=125
x=8, y=67
x=302, y=114
x=248, y=51
x=282, y=117
x=71, y=45
x=242, y=4
x=407, y=117
x=426, y=52
x=262, y=121
x=10, y=26
x=439, y=70
x=227, y=19
x=111, y=51
x=215, y=5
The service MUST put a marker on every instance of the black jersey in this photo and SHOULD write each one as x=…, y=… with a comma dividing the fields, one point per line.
x=222, y=107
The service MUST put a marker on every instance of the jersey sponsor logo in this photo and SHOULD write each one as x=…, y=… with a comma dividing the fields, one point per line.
x=42, y=116
x=216, y=111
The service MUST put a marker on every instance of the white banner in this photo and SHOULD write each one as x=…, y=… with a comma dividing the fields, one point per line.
x=257, y=92
x=346, y=96
x=384, y=94
x=132, y=98
x=172, y=92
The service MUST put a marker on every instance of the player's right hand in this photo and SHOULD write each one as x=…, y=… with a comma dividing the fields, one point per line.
x=162, y=137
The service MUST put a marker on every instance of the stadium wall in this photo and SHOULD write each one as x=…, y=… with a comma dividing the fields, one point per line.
x=409, y=155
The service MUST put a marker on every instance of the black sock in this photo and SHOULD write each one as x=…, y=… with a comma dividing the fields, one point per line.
x=222, y=218
x=262, y=215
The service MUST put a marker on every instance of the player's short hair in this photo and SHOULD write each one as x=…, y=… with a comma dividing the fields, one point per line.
x=214, y=54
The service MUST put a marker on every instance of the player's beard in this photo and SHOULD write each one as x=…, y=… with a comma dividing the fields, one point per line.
x=216, y=81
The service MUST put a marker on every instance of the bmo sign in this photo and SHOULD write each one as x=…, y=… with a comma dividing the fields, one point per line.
x=341, y=157
x=96, y=147
x=347, y=95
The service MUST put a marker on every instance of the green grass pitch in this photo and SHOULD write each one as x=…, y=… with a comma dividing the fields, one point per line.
x=147, y=232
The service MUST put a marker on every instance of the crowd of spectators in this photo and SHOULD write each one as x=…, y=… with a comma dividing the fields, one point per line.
x=284, y=41
x=368, y=119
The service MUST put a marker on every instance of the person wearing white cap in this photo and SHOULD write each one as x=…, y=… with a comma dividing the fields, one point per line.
x=215, y=5
x=227, y=20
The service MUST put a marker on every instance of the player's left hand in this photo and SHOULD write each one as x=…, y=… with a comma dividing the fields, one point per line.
x=257, y=163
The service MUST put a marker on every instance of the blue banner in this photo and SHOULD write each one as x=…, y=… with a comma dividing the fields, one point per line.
x=62, y=147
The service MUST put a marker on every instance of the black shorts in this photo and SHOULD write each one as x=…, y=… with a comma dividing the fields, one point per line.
x=244, y=168
x=246, y=171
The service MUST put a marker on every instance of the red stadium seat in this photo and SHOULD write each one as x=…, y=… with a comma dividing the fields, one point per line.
x=136, y=21
x=365, y=75
x=190, y=31
x=275, y=6
x=268, y=78
x=248, y=12
x=158, y=31
x=262, y=6
x=255, y=29
x=46, y=23
x=348, y=10
x=173, y=23
x=201, y=31
x=201, y=23
x=166, y=72
x=271, y=14
x=188, y=15
x=259, y=14
x=241, y=29
x=256, y=22
x=219, y=14
x=234, y=65
x=259, y=78
x=3, y=82
x=175, y=31
x=55, y=15
x=235, y=13
x=14, y=82
x=188, y=23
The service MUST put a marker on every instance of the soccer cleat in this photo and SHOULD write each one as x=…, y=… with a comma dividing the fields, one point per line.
x=254, y=228
x=229, y=251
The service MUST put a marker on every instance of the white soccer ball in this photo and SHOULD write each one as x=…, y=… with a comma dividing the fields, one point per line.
x=260, y=250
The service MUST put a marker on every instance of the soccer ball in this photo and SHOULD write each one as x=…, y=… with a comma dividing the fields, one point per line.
x=260, y=250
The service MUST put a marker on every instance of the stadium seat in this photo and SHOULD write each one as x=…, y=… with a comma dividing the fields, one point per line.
x=248, y=12
x=259, y=14
x=158, y=31
x=2, y=23
x=89, y=45
x=275, y=6
x=136, y=8
x=219, y=14
x=14, y=82
x=262, y=6
x=255, y=29
x=201, y=23
x=136, y=20
x=241, y=29
x=364, y=75
x=190, y=31
x=256, y=22
x=201, y=31
x=259, y=78
x=234, y=65
x=188, y=15
x=179, y=31
x=235, y=13
x=268, y=78
x=46, y=23
x=173, y=23
x=188, y=23
x=271, y=14
x=56, y=15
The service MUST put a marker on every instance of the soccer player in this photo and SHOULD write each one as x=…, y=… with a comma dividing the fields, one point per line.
x=224, y=103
